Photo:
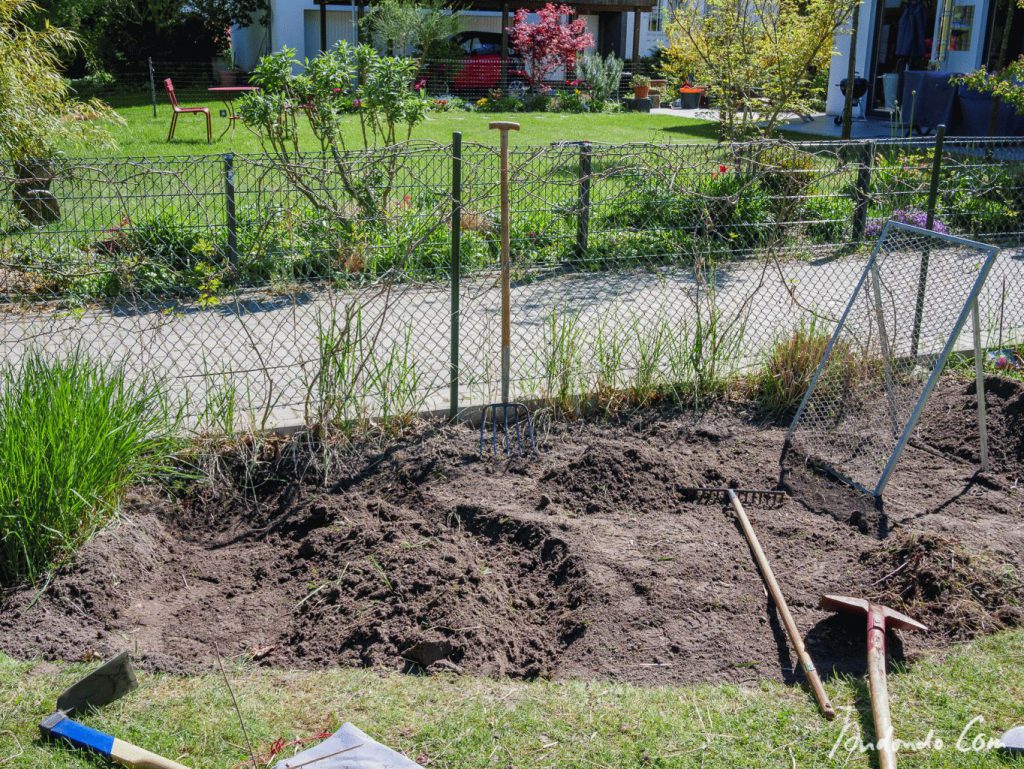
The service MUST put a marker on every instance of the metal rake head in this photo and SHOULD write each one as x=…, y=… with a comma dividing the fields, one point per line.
x=510, y=428
x=707, y=495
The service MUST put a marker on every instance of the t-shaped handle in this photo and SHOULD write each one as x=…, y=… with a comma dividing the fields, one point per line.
x=503, y=125
x=885, y=615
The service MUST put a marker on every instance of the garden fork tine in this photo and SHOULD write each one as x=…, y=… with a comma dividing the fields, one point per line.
x=499, y=412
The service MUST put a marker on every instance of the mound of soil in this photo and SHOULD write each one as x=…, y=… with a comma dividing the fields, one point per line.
x=950, y=423
x=586, y=561
x=955, y=592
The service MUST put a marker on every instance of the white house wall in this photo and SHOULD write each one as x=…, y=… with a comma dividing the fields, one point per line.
x=840, y=61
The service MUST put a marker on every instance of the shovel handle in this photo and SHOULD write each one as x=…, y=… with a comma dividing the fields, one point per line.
x=780, y=603
x=124, y=753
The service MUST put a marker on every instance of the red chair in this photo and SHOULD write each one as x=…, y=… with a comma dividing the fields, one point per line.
x=178, y=110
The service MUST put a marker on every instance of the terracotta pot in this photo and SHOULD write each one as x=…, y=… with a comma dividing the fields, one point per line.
x=227, y=77
x=31, y=190
x=641, y=91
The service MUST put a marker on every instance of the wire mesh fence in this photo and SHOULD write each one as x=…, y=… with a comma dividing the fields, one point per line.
x=906, y=315
x=274, y=290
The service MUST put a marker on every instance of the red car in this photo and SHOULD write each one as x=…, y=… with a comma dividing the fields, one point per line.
x=478, y=71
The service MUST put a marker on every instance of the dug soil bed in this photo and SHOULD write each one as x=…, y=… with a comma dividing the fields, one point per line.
x=585, y=561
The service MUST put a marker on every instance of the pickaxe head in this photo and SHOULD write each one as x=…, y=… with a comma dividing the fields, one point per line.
x=889, y=617
x=110, y=681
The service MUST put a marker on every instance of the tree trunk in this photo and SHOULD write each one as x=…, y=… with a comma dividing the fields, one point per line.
x=31, y=191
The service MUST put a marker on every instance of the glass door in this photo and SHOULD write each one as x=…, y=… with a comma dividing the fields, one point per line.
x=960, y=35
x=903, y=37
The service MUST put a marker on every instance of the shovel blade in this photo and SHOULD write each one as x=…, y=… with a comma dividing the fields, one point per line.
x=110, y=681
x=1013, y=741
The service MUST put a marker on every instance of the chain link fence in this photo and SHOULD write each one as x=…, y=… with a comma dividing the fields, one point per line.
x=335, y=287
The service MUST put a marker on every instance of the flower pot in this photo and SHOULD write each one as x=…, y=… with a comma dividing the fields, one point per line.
x=690, y=99
x=641, y=91
x=228, y=78
x=31, y=190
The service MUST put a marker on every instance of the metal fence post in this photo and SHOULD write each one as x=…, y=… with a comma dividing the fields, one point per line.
x=863, y=191
x=583, y=205
x=922, y=281
x=152, y=85
x=456, y=267
x=229, y=194
x=933, y=190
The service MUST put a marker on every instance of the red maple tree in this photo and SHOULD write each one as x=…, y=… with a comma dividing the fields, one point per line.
x=548, y=44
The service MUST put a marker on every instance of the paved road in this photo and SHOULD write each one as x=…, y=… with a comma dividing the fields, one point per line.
x=265, y=347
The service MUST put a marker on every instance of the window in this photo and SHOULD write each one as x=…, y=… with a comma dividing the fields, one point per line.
x=660, y=15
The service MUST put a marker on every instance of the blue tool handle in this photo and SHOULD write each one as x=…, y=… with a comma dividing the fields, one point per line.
x=82, y=736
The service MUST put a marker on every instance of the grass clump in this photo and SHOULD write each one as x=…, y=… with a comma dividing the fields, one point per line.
x=74, y=435
x=781, y=384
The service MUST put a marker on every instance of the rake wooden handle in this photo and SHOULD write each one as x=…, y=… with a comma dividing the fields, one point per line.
x=780, y=603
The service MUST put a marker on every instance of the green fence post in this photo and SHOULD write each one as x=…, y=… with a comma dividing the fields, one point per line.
x=456, y=258
x=152, y=85
x=922, y=281
x=229, y=194
x=933, y=190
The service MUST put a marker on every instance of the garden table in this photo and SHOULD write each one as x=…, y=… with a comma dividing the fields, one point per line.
x=227, y=94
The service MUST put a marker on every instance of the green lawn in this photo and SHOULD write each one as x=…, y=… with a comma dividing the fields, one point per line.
x=474, y=723
x=144, y=135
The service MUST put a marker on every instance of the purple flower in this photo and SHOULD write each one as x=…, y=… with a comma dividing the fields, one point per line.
x=907, y=216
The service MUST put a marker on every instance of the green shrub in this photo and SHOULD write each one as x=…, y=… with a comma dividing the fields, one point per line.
x=828, y=219
x=74, y=435
x=900, y=180
x=982, y=199
x=539, y=237
x=574, y=101
x=606, y=250
x=725, y=209
x=601, y=76
x=785, y=171
x=970, y=213
x=158, y=257
x=731, y=209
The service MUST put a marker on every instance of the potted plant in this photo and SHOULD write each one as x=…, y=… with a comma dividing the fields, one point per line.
x=225, y=70
x=690, y=96
x=38, y=115
x=641, y=85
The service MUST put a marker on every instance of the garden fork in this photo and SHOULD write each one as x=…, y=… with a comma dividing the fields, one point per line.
x=506, y=416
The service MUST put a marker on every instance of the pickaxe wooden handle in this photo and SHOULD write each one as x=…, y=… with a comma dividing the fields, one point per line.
x=879, y=617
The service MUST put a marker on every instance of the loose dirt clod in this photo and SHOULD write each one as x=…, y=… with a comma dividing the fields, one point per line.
x=585, y=562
